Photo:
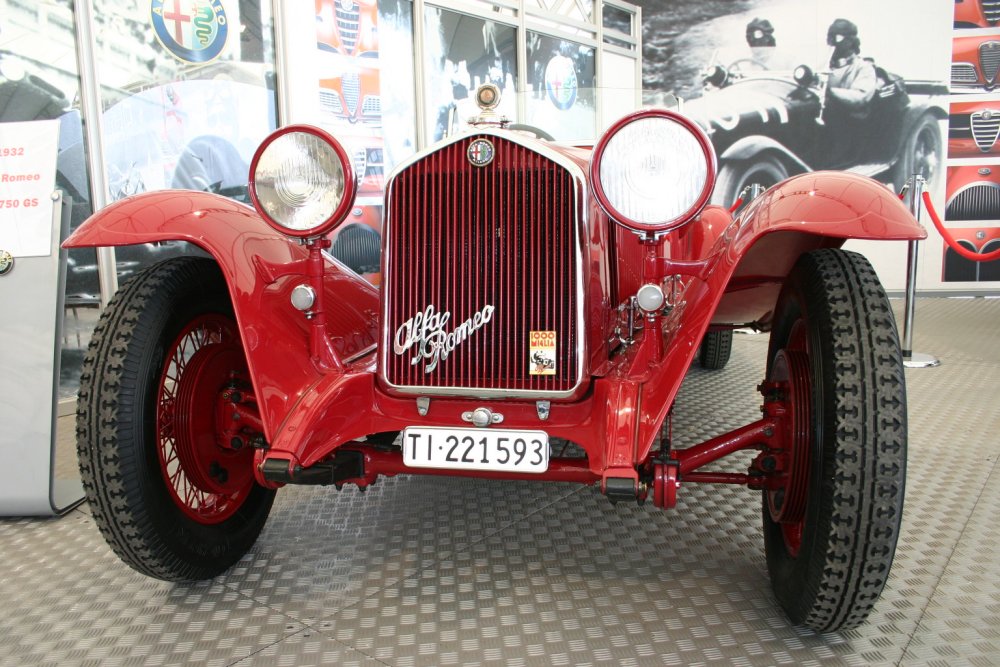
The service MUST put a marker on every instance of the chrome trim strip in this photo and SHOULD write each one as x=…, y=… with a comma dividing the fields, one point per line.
x=582, y=228
x=363, y=353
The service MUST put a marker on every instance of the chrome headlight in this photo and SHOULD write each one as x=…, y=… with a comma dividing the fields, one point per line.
x=301, y=181
x=653, y=170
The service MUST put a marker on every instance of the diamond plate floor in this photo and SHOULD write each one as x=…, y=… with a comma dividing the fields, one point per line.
x=424, y=571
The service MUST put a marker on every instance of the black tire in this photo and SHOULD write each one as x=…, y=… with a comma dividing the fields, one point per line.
x=922, y=154
x=766, y=170
x=828, y=569
x=126, y=456
x=716, y=347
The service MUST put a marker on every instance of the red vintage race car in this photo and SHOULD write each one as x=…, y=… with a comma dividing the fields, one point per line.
x=535, y=296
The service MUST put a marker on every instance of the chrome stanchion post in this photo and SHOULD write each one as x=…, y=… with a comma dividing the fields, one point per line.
x=911, y=359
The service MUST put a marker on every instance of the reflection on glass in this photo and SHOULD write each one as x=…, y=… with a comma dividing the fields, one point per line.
x=188, y=94
x=39, y=81
x=561, y=77
x=618, y=19
x=461, y=53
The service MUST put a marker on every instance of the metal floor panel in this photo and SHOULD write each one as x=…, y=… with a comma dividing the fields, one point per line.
x=433, y=571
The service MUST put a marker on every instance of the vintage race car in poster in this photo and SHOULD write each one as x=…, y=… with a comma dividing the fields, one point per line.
x=766, y=125
x=534, y=295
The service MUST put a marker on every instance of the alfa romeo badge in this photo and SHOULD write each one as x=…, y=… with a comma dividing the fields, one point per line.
x=480, y=152
x=6, y=262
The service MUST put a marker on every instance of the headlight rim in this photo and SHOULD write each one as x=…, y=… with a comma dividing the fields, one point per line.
x=667, y=225
x=350, y=183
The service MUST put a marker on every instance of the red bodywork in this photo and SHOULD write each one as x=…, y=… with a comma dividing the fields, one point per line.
x=975, y=64
x=976, y=13
x=324, y=387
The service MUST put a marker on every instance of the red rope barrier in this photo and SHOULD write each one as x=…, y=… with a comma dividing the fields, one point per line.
x=736, y=205
x=950, y=240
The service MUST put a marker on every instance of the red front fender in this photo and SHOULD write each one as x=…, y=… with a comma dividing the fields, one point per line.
x=815, y=210
x=275, y=335
x=738, y=281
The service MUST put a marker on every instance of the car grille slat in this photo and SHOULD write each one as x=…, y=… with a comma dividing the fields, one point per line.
x=989, y=60
x=977, y=202
x=964, y=74
x=351, y=85
x=348, y=25
x=462, y=237
x=985, y=128
x=991, y=10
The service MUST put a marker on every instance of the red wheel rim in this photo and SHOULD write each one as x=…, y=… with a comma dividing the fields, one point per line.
x=206, y=481
x=787, y=504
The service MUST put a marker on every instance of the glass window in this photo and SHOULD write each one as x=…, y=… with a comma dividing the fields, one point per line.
x=618, y=19
x=461, y=53
x=187, y=92
x=39, y=80
x=561, y=96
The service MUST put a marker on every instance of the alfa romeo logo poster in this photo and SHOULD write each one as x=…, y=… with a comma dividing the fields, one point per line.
x=27, y=179
x=193, y=31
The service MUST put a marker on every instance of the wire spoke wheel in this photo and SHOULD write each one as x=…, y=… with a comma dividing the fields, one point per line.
x=207, y=481
x=171, y=496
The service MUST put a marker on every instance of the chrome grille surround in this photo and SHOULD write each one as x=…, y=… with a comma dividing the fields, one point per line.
x=580, y=225
x=985, y=128
x=989, y=61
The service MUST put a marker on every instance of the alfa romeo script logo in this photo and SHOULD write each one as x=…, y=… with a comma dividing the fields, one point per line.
x=425, y=334
x=480, y=152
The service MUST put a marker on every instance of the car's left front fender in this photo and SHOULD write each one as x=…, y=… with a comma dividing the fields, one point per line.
x=255, y=261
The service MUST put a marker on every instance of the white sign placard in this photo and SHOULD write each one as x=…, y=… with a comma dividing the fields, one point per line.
x=27, y=178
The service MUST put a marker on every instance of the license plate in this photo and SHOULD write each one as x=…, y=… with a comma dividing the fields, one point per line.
x=476, y=449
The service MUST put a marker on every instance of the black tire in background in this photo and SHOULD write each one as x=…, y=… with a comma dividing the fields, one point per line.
x=145, y=522
x=922, y=154
x=716, y=347
x=829, y=569
x=735, y=175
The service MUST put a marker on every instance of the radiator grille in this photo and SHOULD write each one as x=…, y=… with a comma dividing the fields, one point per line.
x=348, y=25
x=991, y=10
x=977, y=202
x=985, y=127
x=989, y=60
x=351, y=85
x=461, y=238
